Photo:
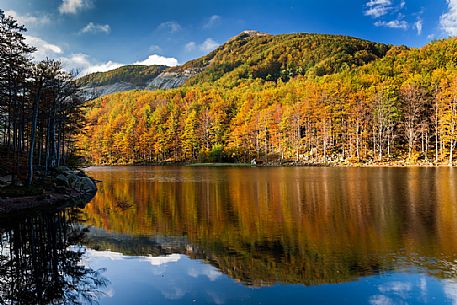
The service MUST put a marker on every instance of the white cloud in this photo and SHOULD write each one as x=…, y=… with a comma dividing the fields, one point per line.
x=28, y=19
x=378, y=8
x=394, y=24
x=79, y=62
x=170, y=27
x=209, y=45
x=155, y=59
x=95, y=28
x=391, y=9
x=212, y=22
x=85, y=65
x=155, y=48
x=44, y=48
x=419, y=25
x=103, y=67
x=73, y=6
x=448, y=20
x=206, y=46
x=190, y=46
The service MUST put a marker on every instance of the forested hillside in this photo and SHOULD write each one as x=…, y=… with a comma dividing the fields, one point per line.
x=252, y=55
x=401, y=107
x=248, y=55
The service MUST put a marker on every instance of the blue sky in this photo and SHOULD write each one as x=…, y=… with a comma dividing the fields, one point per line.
x=96, y=35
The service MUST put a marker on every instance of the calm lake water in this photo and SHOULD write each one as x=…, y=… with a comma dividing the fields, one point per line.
x=195, y=235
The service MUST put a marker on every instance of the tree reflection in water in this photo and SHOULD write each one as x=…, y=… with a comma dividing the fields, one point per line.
x=40, y=261
x=290, y=225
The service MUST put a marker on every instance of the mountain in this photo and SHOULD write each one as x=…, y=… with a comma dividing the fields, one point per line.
x=121, y=79
x=250, y=54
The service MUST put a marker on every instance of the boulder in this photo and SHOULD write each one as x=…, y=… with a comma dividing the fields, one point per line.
x=61, y=180
x=73, y=180
x=87, y=185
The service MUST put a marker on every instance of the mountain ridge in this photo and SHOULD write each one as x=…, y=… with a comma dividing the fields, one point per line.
x=250, y=54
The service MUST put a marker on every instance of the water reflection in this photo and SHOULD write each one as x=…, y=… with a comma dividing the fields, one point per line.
x=40, y=261
x=290, y=225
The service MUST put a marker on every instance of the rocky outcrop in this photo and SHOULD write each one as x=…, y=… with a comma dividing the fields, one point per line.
x=64, y=187
x=74, y=180
x=168, y=79
x=171, y=79
x=92, y=92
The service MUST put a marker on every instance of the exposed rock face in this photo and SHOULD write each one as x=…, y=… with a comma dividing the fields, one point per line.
x=90, y=93
x=249, y=33
x=165, y=80
x=171, y=79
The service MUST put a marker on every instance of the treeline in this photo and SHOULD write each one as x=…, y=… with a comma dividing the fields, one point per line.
x=252, y=55
x=400, y=108
x=39, y=107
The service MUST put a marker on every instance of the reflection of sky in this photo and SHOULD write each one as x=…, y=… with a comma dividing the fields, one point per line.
x=176, y=279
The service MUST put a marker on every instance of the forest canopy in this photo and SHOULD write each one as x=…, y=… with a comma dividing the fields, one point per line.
x=357, y=105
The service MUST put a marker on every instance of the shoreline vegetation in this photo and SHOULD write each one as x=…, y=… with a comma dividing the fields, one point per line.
x=40, y=114
x=284, y=163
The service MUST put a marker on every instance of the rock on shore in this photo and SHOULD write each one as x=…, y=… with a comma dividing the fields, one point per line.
x=63, y=188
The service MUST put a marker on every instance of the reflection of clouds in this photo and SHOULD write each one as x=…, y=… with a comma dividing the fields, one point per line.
x=216, y=298
x=109, y=292
x=450, y=289
x=115, y=256
x=161, y=260
x=395, y=292
x=173, y=293
x=381, y=300
x=209, y=271
x=400, y=288
x=423, y=287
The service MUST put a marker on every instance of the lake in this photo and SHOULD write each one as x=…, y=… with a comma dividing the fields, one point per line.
x=202, y=235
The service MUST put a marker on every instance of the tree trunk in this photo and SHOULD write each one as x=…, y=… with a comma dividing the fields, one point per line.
x=36, y=102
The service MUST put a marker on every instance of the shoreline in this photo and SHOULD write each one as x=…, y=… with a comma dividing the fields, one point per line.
x=56, y=201
x=282, y=164
x=64, y=188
